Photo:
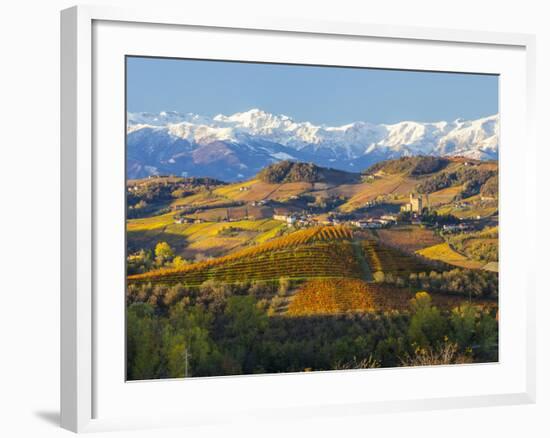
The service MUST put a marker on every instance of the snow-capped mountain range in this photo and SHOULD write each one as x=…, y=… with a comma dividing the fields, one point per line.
x=237, y=146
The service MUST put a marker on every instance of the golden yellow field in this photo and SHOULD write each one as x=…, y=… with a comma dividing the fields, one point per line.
x=232, y=190
x=444, y=253
x=199, y=199
x=188, y=240
x=150, y=223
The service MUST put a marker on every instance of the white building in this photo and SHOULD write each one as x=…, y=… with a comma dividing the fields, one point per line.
x=289, y=219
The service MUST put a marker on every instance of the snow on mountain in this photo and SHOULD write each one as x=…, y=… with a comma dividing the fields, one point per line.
x=171, y=141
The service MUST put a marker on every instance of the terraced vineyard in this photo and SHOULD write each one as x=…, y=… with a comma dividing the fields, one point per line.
x=314, y=252
x=318, y=297
x=337, y=296
x=389, y=260
x=317, y=252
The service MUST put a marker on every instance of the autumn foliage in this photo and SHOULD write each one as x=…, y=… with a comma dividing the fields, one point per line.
x=386, y=259
x=314, y=252
x=338, y=296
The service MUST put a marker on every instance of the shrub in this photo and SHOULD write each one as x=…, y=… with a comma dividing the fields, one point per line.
x=446, y=354
x=427, y=327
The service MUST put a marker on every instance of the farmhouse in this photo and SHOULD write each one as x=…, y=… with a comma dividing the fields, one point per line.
x=374, y=225
x=360, y=224
x=289, y=219
x=450, y=228
x=259, y=203
x=454, y=228
x=370, y=224
x=183, y=220
x=369, y=204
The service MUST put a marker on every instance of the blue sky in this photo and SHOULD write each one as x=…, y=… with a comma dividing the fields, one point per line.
x=320, y=95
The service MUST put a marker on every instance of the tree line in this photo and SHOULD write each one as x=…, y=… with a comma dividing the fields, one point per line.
x=226, y=329
x=466, y=282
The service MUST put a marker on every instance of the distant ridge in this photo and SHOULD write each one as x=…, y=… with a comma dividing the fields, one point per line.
x=289, y=171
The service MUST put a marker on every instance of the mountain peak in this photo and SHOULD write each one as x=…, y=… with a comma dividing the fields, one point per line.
x=266, y=138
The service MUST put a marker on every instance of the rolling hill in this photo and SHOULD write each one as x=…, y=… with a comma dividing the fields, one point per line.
x=155, y=203
x=239, y=232
x=317, y=252
x=287, y=171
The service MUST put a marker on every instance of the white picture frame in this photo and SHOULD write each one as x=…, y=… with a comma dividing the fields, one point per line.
x=85, y=374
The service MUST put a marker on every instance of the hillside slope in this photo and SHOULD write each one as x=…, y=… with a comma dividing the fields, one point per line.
x=317, y=252
x=314, y=252
x=287, y=171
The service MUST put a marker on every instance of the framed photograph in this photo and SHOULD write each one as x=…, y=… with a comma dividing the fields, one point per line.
x=257, y=207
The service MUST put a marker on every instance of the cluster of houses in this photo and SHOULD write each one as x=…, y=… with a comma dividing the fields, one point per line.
x=260, y=203
x=308, y=220
x=370, y=204
x=374, y=223
x=461, y=205
x=416, y=205
x=454, y=228
x=289, y=219
x=303, y=220
x=187, y=220
x=181, y=207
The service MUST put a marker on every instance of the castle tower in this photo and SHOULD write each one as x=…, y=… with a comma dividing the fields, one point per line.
x=416, y=203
